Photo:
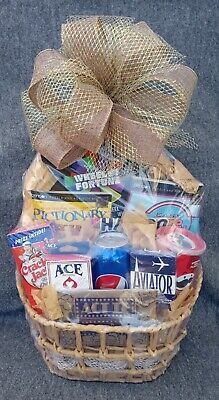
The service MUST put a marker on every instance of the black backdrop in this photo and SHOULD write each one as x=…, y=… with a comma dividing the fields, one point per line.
x=26, y=28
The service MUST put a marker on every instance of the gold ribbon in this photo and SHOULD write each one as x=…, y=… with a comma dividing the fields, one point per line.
x=114, y=84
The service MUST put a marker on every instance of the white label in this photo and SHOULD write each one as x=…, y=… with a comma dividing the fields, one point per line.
x=165, y=284
x=69, y=275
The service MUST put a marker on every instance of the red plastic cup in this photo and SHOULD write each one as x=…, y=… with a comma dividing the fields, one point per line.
x=187, y=246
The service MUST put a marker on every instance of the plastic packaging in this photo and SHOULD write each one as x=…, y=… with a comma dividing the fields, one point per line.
x=97, y=247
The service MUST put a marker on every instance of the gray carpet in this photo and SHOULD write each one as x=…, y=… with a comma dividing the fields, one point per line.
x=26, y=28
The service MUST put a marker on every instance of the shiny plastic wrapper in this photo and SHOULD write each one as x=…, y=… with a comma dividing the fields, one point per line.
x=103, y=247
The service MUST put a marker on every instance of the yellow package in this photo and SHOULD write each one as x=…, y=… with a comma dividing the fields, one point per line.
x=69, y=207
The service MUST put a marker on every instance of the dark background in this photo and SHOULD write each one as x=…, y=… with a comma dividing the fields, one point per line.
x=26, y=27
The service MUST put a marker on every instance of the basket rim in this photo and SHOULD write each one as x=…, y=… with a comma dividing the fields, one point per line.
x=107, y=328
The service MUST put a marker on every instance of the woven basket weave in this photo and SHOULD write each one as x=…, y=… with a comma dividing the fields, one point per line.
x=112, y=353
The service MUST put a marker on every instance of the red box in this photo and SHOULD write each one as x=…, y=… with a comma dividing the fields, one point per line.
x=29, y=252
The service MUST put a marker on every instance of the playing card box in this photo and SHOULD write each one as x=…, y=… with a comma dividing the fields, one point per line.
x=154, y=271
x=69, y=272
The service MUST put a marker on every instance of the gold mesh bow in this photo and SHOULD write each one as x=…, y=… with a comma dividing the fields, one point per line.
x=114, y=84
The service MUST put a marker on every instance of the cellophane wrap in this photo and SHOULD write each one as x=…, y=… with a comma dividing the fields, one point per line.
x=108, y=244
x=104, y=247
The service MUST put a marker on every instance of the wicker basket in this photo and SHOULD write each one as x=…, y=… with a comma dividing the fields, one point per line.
x=112, y=353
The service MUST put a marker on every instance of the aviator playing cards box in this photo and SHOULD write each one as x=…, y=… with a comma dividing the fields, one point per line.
x=154, y=271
